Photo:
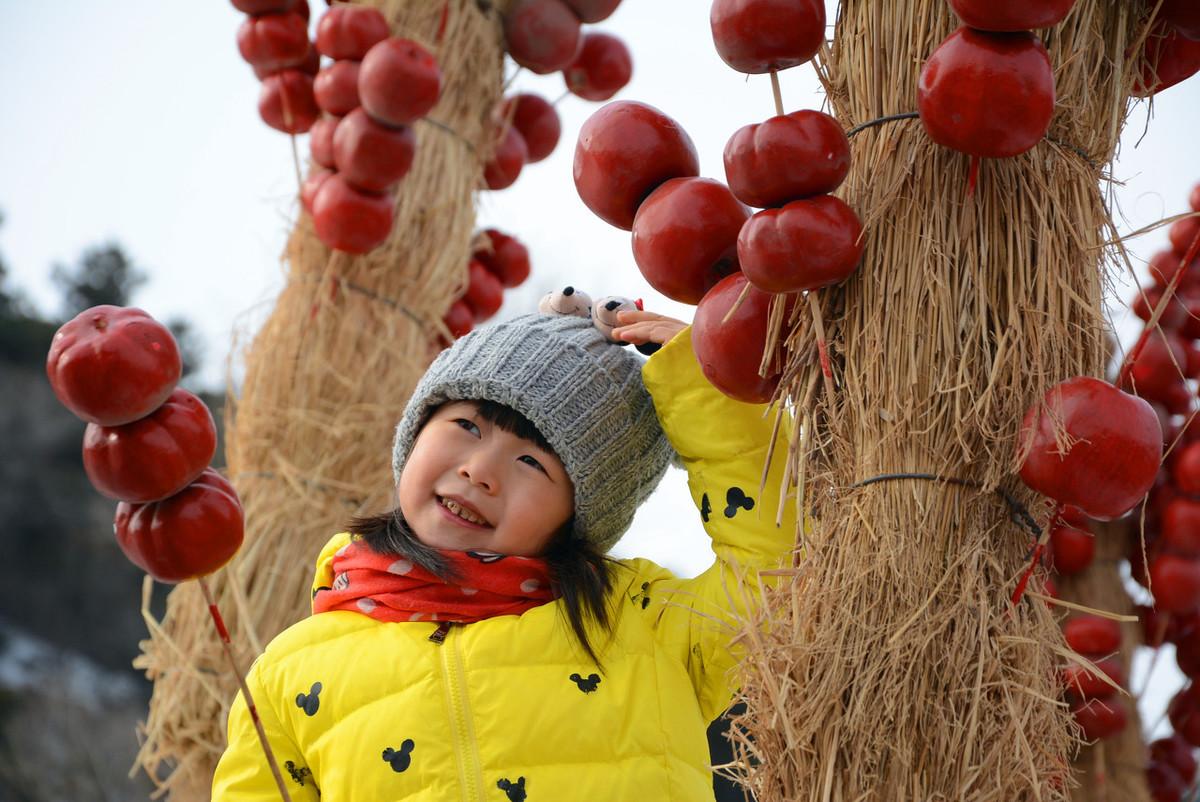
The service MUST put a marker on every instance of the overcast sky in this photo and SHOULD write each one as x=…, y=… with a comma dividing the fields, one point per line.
x=138, y=123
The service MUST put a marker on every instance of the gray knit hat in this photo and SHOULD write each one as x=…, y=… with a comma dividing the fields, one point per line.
x=583, y=393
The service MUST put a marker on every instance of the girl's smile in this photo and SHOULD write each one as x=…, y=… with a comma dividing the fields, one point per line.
x=468, y=484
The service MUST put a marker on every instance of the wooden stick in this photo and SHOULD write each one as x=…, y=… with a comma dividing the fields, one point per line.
x=225, y=644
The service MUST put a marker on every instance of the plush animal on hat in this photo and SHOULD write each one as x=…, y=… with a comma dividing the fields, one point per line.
x=603, y=313
x=567, y=301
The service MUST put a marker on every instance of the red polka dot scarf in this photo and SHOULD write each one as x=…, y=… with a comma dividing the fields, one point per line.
x=388, y=588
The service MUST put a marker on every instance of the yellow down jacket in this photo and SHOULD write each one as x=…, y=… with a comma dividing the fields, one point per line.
x=511, y=709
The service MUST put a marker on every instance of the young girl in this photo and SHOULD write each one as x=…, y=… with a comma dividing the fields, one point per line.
x=476, y=643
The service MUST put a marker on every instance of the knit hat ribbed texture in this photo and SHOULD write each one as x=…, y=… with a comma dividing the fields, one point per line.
x=583, y=393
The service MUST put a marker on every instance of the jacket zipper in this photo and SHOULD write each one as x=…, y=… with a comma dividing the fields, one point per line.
x=461, y=726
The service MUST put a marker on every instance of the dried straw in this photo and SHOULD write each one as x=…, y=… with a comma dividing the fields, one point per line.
x=326, y=378
x=893, y=666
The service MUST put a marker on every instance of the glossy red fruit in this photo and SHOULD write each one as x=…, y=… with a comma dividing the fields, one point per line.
x=1072, y=549
x=987, y=94
x=1100, y=718
x=1082, y=683
x=1168, y=57
x=336, y=87
x=311, y=65
x=542, y=36
x=506, y=163
x=508, y=259
x=484, y=293
x=757, y=36
x=1164, y=783
x=592, y=11
x=188, y=535
x=685, y=237
x=348, y=32
x=459, y=319
x=1158, y=367
x=1184, y=15
x=1175, y=583
x=1182, y=233
x=1176, y=752
x=601, y=69
x=729, y=353
x=1194, y=198
x=261, y=6
x=399, y=81
x=1092, y=636
x=1166, y=263
x=1145, y=302
x=112, y=365
x=1011, y=15
x=624, y=152
x=1072, y=516
x=350, y=220
x=805, y=245
x=320, y=140
x=371, y=156
x=273, y=41
x=1153, y=624
x=155, y=456
x=786, y=158
x=310, y=187
x=1050, y=587
x=1183, y=711
x=1185, y=468
x=1113, y=451
x=1187, y=657
x=286, y=102
x=537, y=121
x=1181, y=525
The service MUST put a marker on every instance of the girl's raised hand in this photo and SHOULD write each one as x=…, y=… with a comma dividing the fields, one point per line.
x=640, y=327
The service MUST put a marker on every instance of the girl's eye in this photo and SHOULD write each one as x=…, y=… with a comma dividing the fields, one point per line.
x=534, y=463
x=463, y=423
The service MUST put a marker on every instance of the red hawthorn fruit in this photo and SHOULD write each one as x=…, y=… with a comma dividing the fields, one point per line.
x=508, y=259
x=155, y=456
x=1181, y=525
x=348, y=219
x=786, y=158
x=1175, y=583
x=320, y=140
x=336, y=87
x=1113, y=452
x=1182, y=233
x=1145, y=302
x=1185, y=469
x=729, y=353
x=112, y=365
x=593, y=11
x=758, y=36
x=1072, y=516
x=310, y=187
x=1073, y=549
x=1176, y=752
x=1194, y=199
x=274, y=41
x=805, y=245
x=506, y=163
x=989, y=95
x=541, y=35
x=1100, y=718
x=256, y=7
x=484, y=293
x=398, y=82
x=602, y=68
x=459, y=319
x=625, y=151
x=188, y=535
x=1082, y=683
x=311, y=65
x=685, y=237
x=1187, y=657
x=1012, y=15
x=1154, y=625
x=371, y=156
x=286, y=102
x=348, y=32
x=1183, y=711
x=1166, y=263
x=1092, y=636
x=537, y=121
x=1163, y=782
x=1168, y=57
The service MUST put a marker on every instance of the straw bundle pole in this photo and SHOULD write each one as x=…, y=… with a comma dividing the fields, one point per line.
x=1115, y=767
x=326, y=379
x=892, y=666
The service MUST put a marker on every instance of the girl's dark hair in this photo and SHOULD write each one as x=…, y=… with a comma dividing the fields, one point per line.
x=582, y=574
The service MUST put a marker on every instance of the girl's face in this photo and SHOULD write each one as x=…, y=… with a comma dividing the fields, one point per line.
x=517, y=494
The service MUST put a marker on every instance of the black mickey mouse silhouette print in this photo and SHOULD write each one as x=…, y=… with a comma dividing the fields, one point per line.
x=737, y=499
x=586, y=685
x=310, y=702
x=515, y=791
x=643, y=598
x=705, y=508
x=298, y=773
x=399, y=759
